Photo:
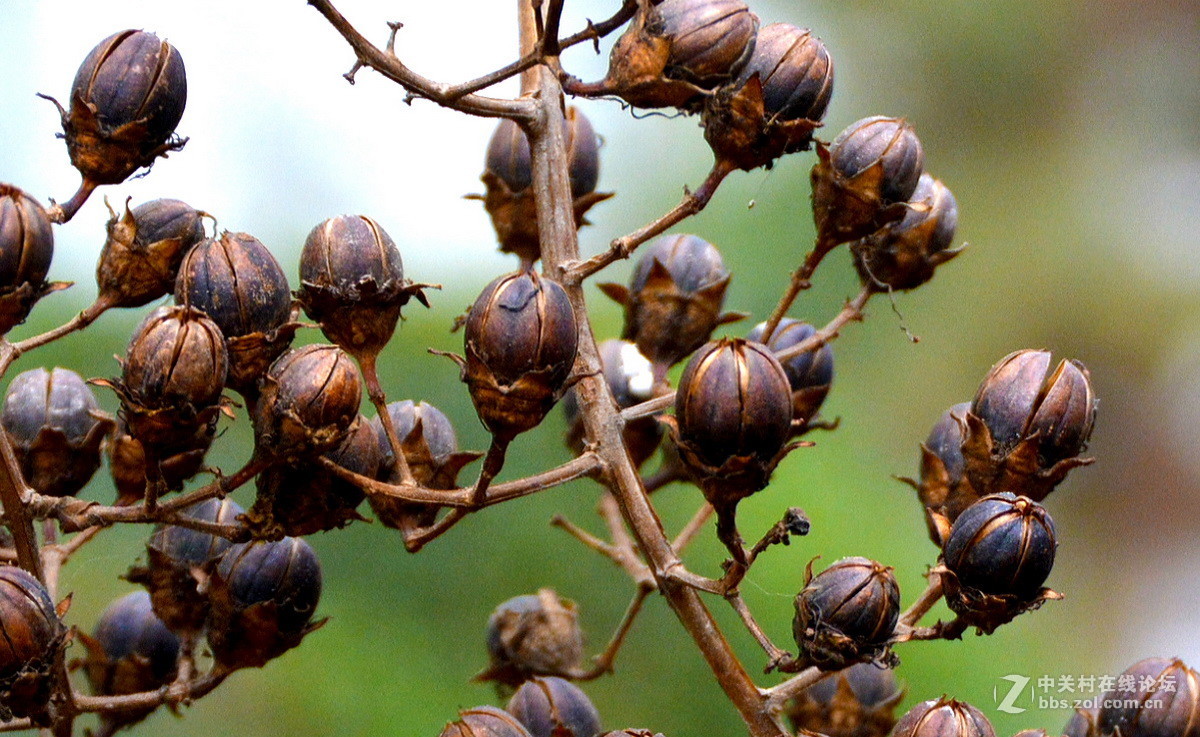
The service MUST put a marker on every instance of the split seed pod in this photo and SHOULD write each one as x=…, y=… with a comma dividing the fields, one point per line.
x=144, y=250
x=675, y=52
x=859, y=701
x=33, y=637
x=1165, y=701
x=673, y=302
x=26, y=248
x=236, y=281
x=904, y=253
x=56, y=428
x=630, y=378
x=484, y=721
x=309, y=401
x=862, y=181
x=264, y=595
x=775, y=104
x=846, y=614
x=509, y=174
x=553, y=707
x=352, y=283
x=520, y=340
x=943, y=718
x=533, y=635
x=810, y=373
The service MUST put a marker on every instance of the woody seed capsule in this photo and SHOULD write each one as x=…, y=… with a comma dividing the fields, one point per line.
x=810, y=373
x=32, y=638
x=144, y=250
x=943, y=718
x=847, y=613
x=56, y=428
x=1002, y=545
x=309, y=400
x=1165, y=701
x=904, y=254
x=485, y=721
x=553, y=707
x=127, y=462
x=859, y=701
x=26, y=248
x=536, y=634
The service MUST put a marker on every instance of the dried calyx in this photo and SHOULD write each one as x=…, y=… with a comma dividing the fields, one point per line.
x=532, y=635
x=903, y=254
x=144, y=250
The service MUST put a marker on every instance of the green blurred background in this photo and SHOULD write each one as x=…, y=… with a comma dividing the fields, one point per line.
x=1068, y=132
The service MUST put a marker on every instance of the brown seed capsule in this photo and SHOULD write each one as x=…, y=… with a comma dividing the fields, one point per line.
x=55, y=427
x=810, y=373
x=171, y=385
x=131, y=651
x=859, y=701
x=352, y=283
x=847, y=614
x=180, y=561
x=553, y=707
x=26, y=248
x=430, y=447
x=673, y=302
x=863, y=179
x=263, y=598
x=1082, y=724
x=508, y=175
x=309, y=401
x=775, y=104
x=533, y=635
x=675, y=52
x=127, y=462
x=943, y=718
x=942, y=490
x=236, y=281
x=630, y=378
x=33, y=636
x=1161, y=699
x=520, y=342
x=307, y=497
x=144, y=250
x=904, y=254
x=126, y=100
x=485, y=721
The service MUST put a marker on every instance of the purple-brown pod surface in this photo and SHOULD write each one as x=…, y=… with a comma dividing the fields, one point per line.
x=1162, y=699
x=309, y=400
x=847, y=614
x=859, y=701
x=33, y=637
x=144, y=250
x=630, y=378
x=904, y=254
x=553, y=707
x=810, y=373
x=26, y=249
x=943, y=718
x=533, y=635
x=484, y=721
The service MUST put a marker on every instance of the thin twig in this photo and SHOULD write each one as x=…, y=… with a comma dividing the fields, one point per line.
x=367, y=364
x=79, y=322
x=774, y=654
x=604, y=662
x=928, y=598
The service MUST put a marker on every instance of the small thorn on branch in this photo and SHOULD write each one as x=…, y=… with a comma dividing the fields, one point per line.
x=390, y=48
x=349, y=76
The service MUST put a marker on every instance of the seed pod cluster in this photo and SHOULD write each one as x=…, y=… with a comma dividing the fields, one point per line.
x=430, y=447
x=943, y=718
x=733, y=419
x=630, y=378
x=862, y=181
x=859, y=701
x=1165, y=702
x=775, y=104
x=33, y=637
x=847, y=614
x=130, y=651
x=676, y=52
x=56, y=428
x=26, y=248
x=352, y=283
x=240, y=286
x=903, y=254
x=553, y=707
x=144, y=250
x=263, y=595
x=485, y=721
x=508, y=175
x=810, y=373
x=673, y=302
x=520, y=342
x=533, y=635
x=309, y=401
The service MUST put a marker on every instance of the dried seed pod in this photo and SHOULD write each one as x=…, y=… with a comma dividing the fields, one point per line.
x=859, y=701
x=810, y=373
x=33, y=637
x=309, y=401
x=733, y=418
x=170, y=387
x=630, y=378
x=673, y=302
x=553, y=707
x=180, y=561
x=943, y=718
x=263, y=598
x=863, y=179
x=430, y=447
x=127, y=462
x=536, y=634
x=508, y=175
x=941, y=489
x=236, y=281
x=56, y=428
x=1082, y=724
x=1002, y=545
x=846, y=614
x=144, y=250
x=352, y=283
x=131, y=651
x=520, y=342
x=26, y=248
x=775, y=104
x=675, y=52
x=484, y=721
x=306, y=497
x=126, y=100
x=1163, y=701
x=903, y=254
